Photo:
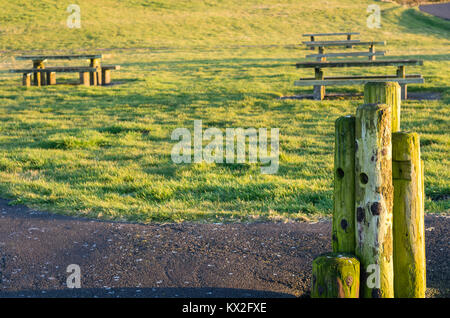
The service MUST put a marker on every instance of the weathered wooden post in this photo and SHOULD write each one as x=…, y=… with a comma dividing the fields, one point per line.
x=335, y=275
x=385, y=93
x=409, y=235
x=374, y=199
x=343, y=232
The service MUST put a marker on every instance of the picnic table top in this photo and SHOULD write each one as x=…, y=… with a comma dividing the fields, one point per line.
x=358, y=63
x=342, y=43
x=330, y=34
x=59, y=57
x=55, y=69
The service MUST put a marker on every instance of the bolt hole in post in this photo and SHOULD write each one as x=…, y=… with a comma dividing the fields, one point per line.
x=363, y=178
x=340, y=173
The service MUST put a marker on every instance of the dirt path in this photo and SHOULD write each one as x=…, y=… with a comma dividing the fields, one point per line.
x=174, y=260
x=441, y=10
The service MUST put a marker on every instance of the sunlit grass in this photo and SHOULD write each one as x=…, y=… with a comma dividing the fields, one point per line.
x=105, y=151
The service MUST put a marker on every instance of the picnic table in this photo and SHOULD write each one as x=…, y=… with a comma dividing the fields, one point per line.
x=93, y=74
x=320, y=81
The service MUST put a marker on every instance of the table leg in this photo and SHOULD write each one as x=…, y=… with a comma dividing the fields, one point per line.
x=401, y=73
x=312, y=40
x=37, y=78
x=372, y=50
x=51, y=78
x=106, y=77
x=85, y=78
x=321, y=51
x=319, y=90
x=26, y=79
x=349, y=38
x=96, y=77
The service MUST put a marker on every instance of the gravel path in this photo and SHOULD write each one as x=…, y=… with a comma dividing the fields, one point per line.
x=441, y=10
x=174, y=260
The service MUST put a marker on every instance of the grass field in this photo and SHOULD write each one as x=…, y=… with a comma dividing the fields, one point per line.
x=105, y=151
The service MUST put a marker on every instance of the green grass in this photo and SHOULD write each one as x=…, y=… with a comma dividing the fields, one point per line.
x=105, y=151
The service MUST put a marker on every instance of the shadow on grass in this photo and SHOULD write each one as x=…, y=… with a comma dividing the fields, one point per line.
x=414, y=21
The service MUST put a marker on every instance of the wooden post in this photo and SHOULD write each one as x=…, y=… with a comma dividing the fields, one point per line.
x=106, y=76
x=385, y=93
x=26, y=81
x=343, y=232
x=335, y=276
x=401, y=73
x=409, y=235
x=85, y=78
x=374, y=200
x=51, y=78
x=319, y=90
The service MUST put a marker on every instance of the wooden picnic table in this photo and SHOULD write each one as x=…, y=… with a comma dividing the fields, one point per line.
x=93, y=76
x=314, y=35
x=320, y=81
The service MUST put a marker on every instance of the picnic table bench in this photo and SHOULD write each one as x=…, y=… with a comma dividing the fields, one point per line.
x=94, y=74
x=314, y=35
x=321, y=45
x=320, y=81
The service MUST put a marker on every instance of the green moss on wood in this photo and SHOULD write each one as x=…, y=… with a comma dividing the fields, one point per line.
x=343, y=232
x=335, y=275
x=374, y=197
x=385, y=93
x=409, y=235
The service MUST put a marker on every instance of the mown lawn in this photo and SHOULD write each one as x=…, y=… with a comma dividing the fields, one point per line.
x=105, y=151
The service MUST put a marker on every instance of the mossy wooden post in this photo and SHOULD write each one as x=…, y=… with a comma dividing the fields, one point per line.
x=374, y=200
x=343, y=232
x=335, y=275
x=385, y=93
x=409, y=235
